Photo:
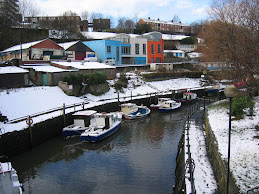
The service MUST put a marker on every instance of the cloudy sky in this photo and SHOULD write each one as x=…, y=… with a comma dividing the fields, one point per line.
x=188, y=11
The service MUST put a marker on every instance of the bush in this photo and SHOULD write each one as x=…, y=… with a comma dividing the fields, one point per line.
x=240, y=103
x=122, y=82
x=75, y=79
x=95, y=78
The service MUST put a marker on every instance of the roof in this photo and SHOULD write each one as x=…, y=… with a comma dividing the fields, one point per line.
x=84, y=65
x=164, y=22
x=47, y=68
x=85, y=113
x=12, y=69
x=173, y=51
x=98, y=35
x=67, y=45
x=173, y=37
x=24, y=46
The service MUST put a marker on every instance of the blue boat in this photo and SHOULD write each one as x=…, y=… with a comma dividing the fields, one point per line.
x=143, y=111
x=82, y=122
x=128, y=109
x=169, y=106
x=105, y=125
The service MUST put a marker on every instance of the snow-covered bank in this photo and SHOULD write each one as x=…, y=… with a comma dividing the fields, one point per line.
x=244, y=144
x=20, y=102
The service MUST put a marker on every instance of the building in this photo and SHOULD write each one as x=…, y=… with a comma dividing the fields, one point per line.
x=87, y=67
x=133, y=48
x=77, y=50
x=187, y=47
x=106, y=49
x=9, y=9
x=155, y=47
x=38, y=50
x=101, y=24
x=174, y=53
x=13, y=77
x=167, y=27
x=162, y=67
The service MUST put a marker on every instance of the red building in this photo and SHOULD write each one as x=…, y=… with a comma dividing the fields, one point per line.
x=155, y=47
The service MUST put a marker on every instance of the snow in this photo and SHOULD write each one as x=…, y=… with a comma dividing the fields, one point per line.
x=84, y=65
x=244, y=146
x=67, y=45
x=24, y=46
x=98, y=35
x=12, y=69
x=47, y=68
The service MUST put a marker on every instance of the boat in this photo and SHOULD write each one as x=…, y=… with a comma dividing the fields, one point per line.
x=160, y=103
x=9, y=179
x=128, y=109
x=188, y=97
x=82, y=122
x=170, y=105
x=105, y=125
x=143, y=111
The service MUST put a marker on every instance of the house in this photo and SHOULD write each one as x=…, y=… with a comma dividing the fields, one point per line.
x=155, y=47
x=174, y=53
x=133, y=48
x=38, y=50
x=101, y=24
x=167, y=26
x=87, y=67
x=77, y=50
x=106, y=49
x=187, y=47
x=215, y=65
x=13, y=77
x=161, y=67
x=45, y=74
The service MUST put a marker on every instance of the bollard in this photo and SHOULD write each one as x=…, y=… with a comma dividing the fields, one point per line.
x=64, y=114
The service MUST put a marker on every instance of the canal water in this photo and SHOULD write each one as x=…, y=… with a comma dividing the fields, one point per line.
x=139, y=158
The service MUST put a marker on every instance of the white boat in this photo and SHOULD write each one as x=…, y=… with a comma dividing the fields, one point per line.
x=170, y=105
x=143, y=111
x=9, y=182
x=128, y=109
x=188, y=97
x=82, y=122
x=160, y=103
x=105, y=125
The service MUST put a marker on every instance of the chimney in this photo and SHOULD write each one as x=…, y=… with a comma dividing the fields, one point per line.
x=149, y=18
x=158, y=19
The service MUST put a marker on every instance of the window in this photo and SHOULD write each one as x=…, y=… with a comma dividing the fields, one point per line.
x=108, y=49
x=159, y=49
x=137, y=49
x=152, y=49
x=125, y=50
x=118, y=53
x=144, y=49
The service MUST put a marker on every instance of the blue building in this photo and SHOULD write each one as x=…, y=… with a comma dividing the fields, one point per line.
x=106, y=49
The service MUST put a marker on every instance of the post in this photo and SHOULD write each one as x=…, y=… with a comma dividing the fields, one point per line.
x=204, y=103
x=229, y=138
x=64, y=114
x=30, y=129
x=74, y=107
x=83, y=105
x=131, y=95
x=150, y=98
x=118, y=97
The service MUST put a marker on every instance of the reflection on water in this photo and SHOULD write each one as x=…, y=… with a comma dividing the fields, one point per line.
x=139, y=158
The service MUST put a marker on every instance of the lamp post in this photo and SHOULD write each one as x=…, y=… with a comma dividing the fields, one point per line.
x=230, y=92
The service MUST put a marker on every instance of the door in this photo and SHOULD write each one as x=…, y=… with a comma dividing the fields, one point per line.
x=44, y=79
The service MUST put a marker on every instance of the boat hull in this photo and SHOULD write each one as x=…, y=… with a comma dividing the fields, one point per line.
x=142, y=112
x=73, y=131
x=163, y=109
x=87, y=137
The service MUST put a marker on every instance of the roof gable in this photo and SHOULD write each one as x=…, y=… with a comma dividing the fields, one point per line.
x=47, y=43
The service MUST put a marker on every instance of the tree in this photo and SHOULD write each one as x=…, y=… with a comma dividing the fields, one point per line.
x=28, y=8
x=126, y=25
x=232, y=36
x=85, y=15
x=176, y=18
x=142, y=28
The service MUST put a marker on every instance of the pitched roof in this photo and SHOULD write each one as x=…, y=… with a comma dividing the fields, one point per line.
x=84, y=65
x=12, y=69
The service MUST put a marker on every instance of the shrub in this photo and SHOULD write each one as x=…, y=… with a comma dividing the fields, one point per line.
x=122, y=82
x=240, y=103
x=74, y=78
x=95, y=78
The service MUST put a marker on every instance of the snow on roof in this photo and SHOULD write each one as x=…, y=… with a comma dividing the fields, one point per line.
x=47, y=69
x=84, y=65
x=67, y=45
x=12, y=69
x=24, y=46
x=173, y=51
x=98, y=35
x=173, y=37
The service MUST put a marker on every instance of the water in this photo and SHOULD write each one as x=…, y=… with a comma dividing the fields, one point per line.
x=139, y=158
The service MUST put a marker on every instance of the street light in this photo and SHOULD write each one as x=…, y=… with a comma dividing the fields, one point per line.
x=230, y=92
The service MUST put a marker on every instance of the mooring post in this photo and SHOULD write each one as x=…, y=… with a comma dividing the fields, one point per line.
x=83, y=105
x=30, y=129
x=64, y=114
x=131, y=95
x=150, y=98
x=118, y=97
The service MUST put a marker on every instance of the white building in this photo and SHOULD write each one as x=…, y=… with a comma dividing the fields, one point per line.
x=175, y=53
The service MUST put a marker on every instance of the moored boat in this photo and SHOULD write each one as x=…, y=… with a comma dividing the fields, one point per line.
x=160, y=103
x=105, y=125
x=9, y=179
x=188, y=97
x=82, y=122
x=143, y=111
x=170, y=105
x=128, y=109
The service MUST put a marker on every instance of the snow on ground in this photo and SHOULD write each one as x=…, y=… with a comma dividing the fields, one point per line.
x=244, y=144
x=203, y=174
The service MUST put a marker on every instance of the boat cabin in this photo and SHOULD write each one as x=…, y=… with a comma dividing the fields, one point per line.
x=105, y=120
x=189, y=96
x=161, y=101
x=169, y=104
x=83, y=118
x=128, y=108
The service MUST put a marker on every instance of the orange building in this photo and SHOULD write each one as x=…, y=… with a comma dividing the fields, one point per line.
x=155, y=47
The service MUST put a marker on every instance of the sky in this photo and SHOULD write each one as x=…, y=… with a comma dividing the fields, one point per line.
x=188, y=11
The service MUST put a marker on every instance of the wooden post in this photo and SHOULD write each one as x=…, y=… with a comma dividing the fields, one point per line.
x=30, y=129
x=83, y=105
x=64, y=114
x=118, y=97
x=150, y=98
x=131, y=95
x=74, y=107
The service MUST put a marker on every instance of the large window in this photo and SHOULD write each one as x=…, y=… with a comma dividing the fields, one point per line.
x=125, y=50
x=108, y=49
x=159, y=49
x=137, y=49
x=152, y=49
x=118, y=53
x=144, y=49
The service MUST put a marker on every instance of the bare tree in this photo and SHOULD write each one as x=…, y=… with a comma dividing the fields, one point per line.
x=176, y=18
x=233, y=36
x=28, y=8
x=85, y=15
